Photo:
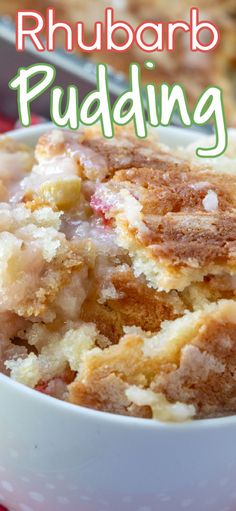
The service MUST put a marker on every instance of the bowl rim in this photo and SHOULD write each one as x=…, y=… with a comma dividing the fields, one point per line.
x=188, y=136
x=101, y=417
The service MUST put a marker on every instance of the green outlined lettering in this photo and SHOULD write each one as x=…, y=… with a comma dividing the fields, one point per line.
x=160, y=103
x=25, y=93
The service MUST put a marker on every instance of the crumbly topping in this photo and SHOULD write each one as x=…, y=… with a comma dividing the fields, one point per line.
x=178, y=225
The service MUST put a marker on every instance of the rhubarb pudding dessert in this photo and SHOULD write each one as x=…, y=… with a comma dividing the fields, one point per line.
x=118, y=273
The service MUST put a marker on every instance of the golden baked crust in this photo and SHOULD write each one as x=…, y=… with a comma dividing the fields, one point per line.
x=98, y=158
x=178, y=224
x=191, y=361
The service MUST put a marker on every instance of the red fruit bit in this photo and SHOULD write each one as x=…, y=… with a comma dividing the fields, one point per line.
x=42, y=388
x=105, y=220
x=98, y=205
x=100, y=208
x=67, y=378
x=3, y=508
x=133, y=195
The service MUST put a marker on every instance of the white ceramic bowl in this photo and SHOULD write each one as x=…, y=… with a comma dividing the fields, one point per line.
x=56, y=456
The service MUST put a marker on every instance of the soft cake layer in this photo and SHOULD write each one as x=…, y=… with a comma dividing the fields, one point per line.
x=36, y=260
x=190, y=361
x=127, y=301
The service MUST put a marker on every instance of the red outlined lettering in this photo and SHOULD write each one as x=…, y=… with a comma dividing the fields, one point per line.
x=197, y=26
x=52, y=26
x=172, y=27
x=157, y=28
x=112, y=27
x=22, y=33
x=96, y=44
x=163, y=34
